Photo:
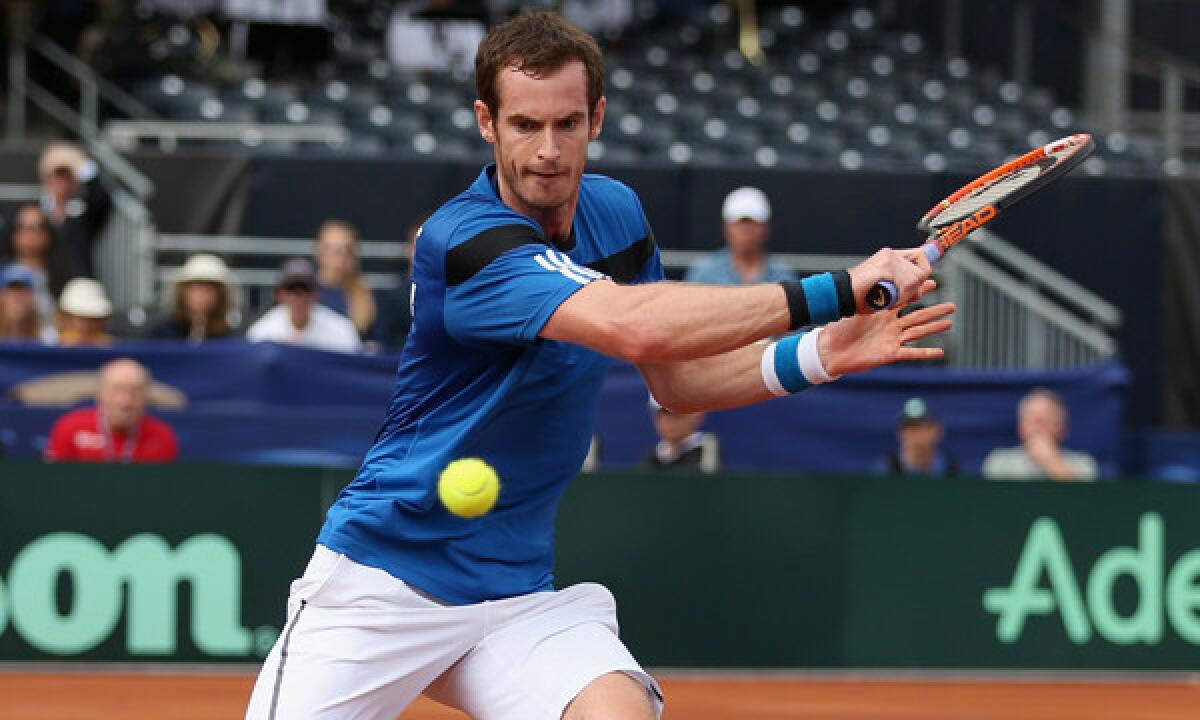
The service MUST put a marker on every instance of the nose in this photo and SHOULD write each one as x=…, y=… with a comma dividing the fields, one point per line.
x=548, y=150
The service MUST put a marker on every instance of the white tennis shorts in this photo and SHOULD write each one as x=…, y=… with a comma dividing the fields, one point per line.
x=361, y=644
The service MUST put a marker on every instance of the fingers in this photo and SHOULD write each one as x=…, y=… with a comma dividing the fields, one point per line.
x=920, y=353
x=926, y=314
x=920, y=332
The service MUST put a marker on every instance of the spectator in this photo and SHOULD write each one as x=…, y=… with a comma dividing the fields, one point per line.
x=84, y=310
x=19, y=318
x=744, y=260
x=31, y=242
x=298, y=319
x=74, y=200
x=918, y=434
x=202, y=297
x=117, y=428
x=1042, y=427
x=681, y=445
x=340, y=284
x=394, y=317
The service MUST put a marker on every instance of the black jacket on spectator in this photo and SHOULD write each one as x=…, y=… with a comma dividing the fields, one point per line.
x=84, y=219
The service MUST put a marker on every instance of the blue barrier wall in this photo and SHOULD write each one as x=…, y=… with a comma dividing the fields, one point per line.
x=271, y=403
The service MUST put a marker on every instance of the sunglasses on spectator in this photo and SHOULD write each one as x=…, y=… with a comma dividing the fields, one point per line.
x=298, y=288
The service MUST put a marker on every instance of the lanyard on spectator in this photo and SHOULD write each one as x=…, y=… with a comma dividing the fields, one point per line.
x=110, y=441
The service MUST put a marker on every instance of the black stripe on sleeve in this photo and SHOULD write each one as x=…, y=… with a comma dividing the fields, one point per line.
x=625, y=266
x=466, y=259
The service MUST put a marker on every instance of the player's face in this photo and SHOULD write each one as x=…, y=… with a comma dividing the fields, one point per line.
x=1041, y=416
x=540, y=135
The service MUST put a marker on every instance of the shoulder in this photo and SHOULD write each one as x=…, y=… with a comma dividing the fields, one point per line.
x=157, y=426
x=600, y=192
x=705, y=267
x=75, y=418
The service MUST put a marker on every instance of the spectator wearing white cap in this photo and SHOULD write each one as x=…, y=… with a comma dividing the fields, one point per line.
x=297, y=318
x=74, y=199
x=744, y=260
x=84, y=310
x=203, y=301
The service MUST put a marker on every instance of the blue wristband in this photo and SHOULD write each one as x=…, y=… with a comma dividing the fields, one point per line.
x=822, y=295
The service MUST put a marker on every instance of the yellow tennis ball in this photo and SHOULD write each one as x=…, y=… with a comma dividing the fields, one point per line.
x=468, y=487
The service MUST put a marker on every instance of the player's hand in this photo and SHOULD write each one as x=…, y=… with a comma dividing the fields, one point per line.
x=908, y=269
x=863, y=342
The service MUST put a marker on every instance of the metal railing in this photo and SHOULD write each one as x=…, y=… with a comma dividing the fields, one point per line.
x=126, y=134
x=1015, y=312
x=125, y=257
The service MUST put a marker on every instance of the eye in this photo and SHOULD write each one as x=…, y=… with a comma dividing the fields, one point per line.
x=525, y=126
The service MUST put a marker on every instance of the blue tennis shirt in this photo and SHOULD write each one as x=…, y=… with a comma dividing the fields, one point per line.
x=475, y=380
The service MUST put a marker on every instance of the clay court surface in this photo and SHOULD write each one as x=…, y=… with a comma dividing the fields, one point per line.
x=217, y=696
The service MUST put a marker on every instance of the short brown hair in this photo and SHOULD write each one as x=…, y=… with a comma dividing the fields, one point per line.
x=536, y=44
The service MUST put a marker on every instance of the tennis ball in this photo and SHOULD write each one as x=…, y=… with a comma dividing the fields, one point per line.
x=468, y=487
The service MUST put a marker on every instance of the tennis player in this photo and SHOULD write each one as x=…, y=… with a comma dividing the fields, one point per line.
x=525, y=285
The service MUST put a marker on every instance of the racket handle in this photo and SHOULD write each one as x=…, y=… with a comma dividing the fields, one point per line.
x=885, y=294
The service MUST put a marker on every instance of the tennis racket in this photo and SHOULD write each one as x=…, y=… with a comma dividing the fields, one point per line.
x=983, y=199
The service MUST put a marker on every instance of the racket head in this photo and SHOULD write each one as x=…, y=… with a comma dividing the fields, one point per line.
x=983, y=199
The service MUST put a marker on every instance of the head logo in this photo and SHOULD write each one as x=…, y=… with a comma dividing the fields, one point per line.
x=1045, y=552
x=148, y=571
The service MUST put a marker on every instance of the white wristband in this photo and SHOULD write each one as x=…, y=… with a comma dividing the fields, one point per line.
x=810, y=359
x=793, y=364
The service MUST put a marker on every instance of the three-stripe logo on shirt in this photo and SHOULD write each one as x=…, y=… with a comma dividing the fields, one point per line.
x=555, y=261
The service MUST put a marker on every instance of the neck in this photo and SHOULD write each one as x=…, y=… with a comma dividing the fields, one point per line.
x=555, y=222
x=300, y=322
x=38, y=262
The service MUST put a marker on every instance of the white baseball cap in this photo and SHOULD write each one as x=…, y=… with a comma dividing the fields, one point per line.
x=746, y=203
x=84, y=297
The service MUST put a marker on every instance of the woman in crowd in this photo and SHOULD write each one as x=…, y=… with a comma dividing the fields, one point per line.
x=202, y=301
x=30, y=241
x=341, y=284
x=19, y=319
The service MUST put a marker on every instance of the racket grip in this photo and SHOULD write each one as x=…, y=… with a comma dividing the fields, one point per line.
x=885, y=293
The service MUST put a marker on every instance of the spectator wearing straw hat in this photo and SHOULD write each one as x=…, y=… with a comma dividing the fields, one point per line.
x=202, y=300
x=74, y=199
x=297, y=318
x=84, y=310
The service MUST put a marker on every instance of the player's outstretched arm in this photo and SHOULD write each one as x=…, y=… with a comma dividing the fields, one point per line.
x=669, y=322
x=852, y=344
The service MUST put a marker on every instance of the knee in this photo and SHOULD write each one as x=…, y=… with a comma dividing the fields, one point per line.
x=615, y=696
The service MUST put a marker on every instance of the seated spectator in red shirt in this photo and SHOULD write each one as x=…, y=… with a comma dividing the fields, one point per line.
x=117, y=429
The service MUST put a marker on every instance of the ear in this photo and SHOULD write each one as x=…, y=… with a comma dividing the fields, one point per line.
x=487, y=124
x=597, y=118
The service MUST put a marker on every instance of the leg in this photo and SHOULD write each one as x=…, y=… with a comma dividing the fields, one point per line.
x=615, y=696
x=547, y=651
x=358, y=643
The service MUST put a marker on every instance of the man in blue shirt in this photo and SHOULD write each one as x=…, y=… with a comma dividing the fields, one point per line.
x=524, y=285
x=747, y=225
